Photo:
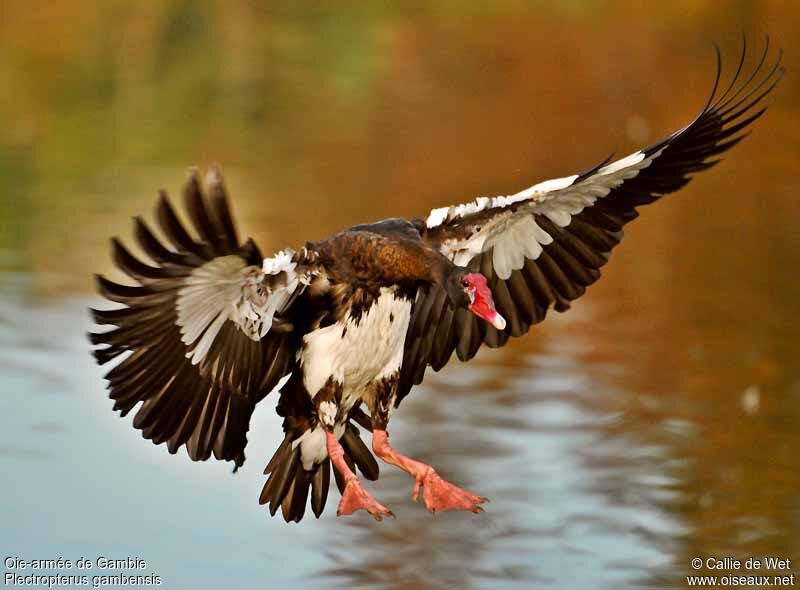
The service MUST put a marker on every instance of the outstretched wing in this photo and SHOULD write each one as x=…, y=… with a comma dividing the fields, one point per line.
x=207, y=332
x=543, y=246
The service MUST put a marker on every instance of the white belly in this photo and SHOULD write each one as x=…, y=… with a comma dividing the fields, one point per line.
x=354, y=354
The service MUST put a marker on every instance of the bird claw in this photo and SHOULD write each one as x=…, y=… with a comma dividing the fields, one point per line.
x=355, y=497
x=440, y=495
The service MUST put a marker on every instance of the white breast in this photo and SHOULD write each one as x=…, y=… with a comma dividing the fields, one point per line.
x=356, y=353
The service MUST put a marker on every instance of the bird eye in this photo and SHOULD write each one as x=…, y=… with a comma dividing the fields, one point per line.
x=464, y=283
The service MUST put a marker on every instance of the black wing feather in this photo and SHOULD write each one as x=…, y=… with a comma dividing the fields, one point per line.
x=572, y=261
x=206, y=407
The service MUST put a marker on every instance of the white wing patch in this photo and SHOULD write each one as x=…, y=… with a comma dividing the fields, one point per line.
x=437, y=217
x=443, y=214
x=515, y=235
x=226, y=288
x=280, y=295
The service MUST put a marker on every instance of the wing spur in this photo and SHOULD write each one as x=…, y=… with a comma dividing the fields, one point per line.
x=206, y=333
x=542, y=247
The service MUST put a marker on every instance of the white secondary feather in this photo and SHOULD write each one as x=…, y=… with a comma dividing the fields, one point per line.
x=226, y=288
x=207, y=300
x=515, y=235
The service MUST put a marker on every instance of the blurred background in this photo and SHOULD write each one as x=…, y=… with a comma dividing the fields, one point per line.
x=657, y=421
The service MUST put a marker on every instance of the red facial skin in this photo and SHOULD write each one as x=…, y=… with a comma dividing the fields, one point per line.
x=483, y=303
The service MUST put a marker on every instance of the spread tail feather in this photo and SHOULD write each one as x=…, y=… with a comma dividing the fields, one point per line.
x=359, y=452
x=288, y=484
x=320, y=484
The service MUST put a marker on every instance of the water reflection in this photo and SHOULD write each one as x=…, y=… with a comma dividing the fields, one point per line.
x=655, y=422
x=532, y=438
x=521, y=426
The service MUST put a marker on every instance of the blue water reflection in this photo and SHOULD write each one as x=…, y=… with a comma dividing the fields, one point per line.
x=82, y=482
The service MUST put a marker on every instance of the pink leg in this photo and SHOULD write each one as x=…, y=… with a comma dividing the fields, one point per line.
x=354, y=497
x=439, y=495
